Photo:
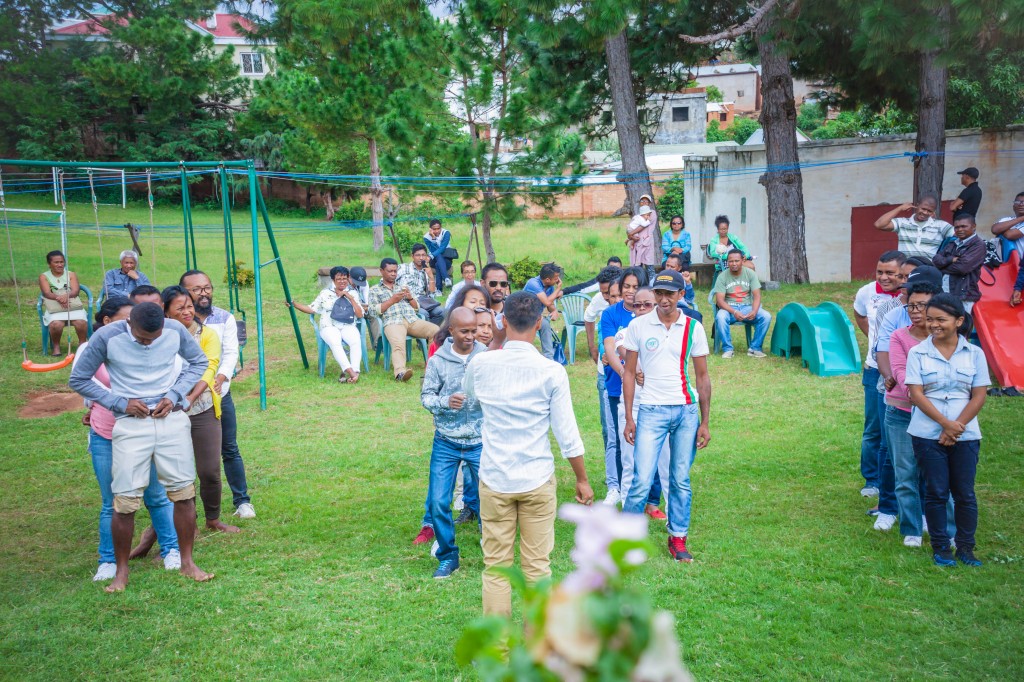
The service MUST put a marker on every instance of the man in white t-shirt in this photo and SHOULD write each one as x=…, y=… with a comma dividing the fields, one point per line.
x=873, y=449
x=606, y=279
x=665, y=344
x=1012, y=227
x=922, y=233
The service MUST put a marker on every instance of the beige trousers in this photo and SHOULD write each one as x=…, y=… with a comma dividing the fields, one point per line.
x=501, y=514
x=396, y=333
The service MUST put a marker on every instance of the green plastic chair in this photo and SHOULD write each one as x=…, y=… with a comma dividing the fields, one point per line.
x=572, y=307
x=321, y=346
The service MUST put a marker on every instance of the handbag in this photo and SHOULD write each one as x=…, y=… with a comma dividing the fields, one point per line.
x=343, y=311
x=451, y=253
x=559, y=352
x=53, y=307
x=427, y=304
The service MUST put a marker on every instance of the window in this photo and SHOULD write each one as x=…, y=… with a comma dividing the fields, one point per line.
x=641, y=116
x=740, y=93
x=723, y=117
x=680, y=114
x=606, y=117
x=252, y=63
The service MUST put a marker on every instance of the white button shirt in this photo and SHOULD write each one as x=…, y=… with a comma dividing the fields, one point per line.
x=523, y=395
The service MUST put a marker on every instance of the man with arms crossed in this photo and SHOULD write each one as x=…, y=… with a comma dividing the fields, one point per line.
x=664, y=344
x=522, y=395
x=147, y=397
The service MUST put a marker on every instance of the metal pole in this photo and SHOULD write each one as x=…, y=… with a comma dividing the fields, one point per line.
x=253, y=194
x=232, y=283
x=284, y=279
x=53, y=175
x=64, y=231
x=184, y=216
x=124, y=190
x=123, y=164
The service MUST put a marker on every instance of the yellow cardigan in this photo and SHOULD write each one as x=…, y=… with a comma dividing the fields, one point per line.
x=209, y=341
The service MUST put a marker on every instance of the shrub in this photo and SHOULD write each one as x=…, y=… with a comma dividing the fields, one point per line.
x=351, y=210
x=671, y=202
x=245, y=277
x=522, y=270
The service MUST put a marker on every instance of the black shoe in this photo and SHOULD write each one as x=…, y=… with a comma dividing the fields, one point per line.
x=465, y=516
x=967, y=558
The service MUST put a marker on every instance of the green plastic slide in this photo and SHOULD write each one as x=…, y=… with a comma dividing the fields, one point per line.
x=823, y=337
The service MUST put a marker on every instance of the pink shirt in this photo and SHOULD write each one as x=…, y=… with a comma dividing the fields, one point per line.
x=900, y=344
x=101, y=420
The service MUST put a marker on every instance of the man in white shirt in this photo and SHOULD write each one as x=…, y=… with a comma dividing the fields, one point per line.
x=668, y=404
x=922, y=233
x=199, y=286
x=523, y=395
x=606, y=279
x=1012, y=227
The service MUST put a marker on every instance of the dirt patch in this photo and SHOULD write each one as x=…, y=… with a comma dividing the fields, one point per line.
x=50, y=404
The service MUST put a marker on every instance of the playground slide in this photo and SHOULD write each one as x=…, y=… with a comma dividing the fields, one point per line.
x=1001, y=328
x=822, y=336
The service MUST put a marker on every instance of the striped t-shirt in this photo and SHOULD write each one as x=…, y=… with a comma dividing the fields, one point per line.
x=664, y=354
x=921, y=239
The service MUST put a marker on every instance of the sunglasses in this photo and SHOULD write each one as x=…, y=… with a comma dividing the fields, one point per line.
x=503, y=284
x=644, y=306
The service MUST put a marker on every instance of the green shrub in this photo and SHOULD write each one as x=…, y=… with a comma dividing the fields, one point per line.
x=522, y=270
x=352, y=210
x=245, y=277
x=671, y=202
x=406, y=236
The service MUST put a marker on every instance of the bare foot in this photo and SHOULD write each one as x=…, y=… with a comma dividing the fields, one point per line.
x=145, y=544
x=119, y=582
x=353, y=378
x=196, y=573
x=217, y=524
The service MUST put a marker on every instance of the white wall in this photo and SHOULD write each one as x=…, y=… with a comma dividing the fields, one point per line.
x=730, y=181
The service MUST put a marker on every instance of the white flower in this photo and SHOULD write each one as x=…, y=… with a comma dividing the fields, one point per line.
x=597, y=527
x=660, y=661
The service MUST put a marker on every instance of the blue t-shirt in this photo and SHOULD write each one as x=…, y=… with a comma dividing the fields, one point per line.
x=612, y=320
x=535, y=286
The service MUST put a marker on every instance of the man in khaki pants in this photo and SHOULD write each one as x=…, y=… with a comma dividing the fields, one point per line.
x=523, y=395
x=396, y=307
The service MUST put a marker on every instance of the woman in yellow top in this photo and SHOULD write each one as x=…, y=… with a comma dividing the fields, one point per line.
x=205, y=411
x=61, y=305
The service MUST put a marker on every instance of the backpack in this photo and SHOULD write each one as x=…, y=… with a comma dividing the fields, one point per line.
x=993, y=253
x=343, y=311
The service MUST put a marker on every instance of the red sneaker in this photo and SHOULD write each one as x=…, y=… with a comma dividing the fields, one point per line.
x=677, y=548
x=655, y=513
x=426, y=535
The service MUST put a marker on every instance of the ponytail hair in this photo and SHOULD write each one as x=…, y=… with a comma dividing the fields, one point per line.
x=951, y=305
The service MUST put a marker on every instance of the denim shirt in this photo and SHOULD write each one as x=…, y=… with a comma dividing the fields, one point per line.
x=946, y=383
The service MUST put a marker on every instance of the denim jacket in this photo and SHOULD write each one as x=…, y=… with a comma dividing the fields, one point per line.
x=443, y=379
x=946, y=383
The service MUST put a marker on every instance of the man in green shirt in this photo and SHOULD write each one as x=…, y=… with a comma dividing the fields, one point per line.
x=738, y=297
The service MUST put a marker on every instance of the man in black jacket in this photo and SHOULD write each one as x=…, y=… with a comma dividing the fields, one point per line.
x=960, y=261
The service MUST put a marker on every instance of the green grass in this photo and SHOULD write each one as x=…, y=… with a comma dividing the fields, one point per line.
x=790, y=581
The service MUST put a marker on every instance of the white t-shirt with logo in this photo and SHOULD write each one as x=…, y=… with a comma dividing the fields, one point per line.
x=866, y=304
x=665, y=356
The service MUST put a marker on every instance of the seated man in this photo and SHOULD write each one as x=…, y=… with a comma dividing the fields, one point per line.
x=547, y=286
x=396, y=306
x=1011, y=227
x=122, y=281
x=418, y=278
x=738, y=297
x=960, y=261
x=686, y=301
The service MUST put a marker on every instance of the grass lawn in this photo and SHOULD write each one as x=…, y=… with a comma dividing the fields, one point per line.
x=789, y=582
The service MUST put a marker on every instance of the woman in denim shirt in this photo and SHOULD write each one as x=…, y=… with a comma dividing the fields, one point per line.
x=676, y=241
x=946, y=378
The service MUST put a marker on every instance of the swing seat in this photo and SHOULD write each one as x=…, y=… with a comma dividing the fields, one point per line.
x=30, y=366
x=88, y=318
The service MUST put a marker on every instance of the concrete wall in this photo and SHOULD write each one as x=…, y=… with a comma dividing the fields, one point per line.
x=732, y=84
x=682, y=132
x=727, y=184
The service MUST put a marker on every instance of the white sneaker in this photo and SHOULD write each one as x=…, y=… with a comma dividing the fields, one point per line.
x=924, y=524
x=448, y=281
x=434, y=547
x=172, y=562
x=105, y=572
x=912, y=541
x=756, y=354
x=884, y=522
x=613, y=497
x=459, y=503
x=869, y=491
x=727, y=354
x=245, y=511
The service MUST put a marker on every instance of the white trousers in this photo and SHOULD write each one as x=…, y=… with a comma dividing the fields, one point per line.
x=334, y=336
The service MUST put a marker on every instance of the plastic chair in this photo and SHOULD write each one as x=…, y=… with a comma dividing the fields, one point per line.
x=384, y=348
x=572, y=307
x=748, y=327
x=321, y=346
x=89, y=312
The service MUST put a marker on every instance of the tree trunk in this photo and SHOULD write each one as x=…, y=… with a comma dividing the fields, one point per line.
x=933, y=79
x=485, y=229
x=309, y=200
x=783, y=182
x=377, y=206
x=627, y=125
x=329, y=205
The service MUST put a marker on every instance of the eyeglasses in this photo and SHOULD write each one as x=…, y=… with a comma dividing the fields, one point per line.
x=199, y=291
x=494, y=284
x=643, y=306
x=915, y=307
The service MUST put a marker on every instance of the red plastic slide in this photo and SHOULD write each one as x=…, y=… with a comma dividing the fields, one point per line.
x=1000, y=327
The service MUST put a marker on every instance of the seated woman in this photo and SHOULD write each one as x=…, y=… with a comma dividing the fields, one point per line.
x=719, y=248
x=204, y=413
x=472, y=296
x=676, y=241
x=61, y=305
x=101, y=434
x=123, y=280
x=339, y=308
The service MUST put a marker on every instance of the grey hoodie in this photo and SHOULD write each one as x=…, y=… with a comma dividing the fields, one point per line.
x=443, y=379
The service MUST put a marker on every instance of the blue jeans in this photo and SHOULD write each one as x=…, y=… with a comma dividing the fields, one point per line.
x=871, y=440
x=161, y=509
x=445, y=458
x=440, y=265
x=470, y=496
x=949, y=470
x=724, y=319
x=547, y=339
x=612, y=463
x=234, y=467
x=887, y=480
x=909, y=478
x=655, y=423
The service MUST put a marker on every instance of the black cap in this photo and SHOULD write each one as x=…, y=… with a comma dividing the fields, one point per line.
x=357, y=275
x=669, y=280
x=925, y=273
x=970, y=171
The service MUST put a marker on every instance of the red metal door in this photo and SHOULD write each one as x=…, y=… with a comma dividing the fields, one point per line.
x=867, y=243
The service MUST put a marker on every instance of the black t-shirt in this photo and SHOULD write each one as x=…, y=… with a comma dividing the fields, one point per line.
x=971, y=197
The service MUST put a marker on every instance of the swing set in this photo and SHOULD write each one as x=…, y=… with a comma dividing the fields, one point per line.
x=257, y=214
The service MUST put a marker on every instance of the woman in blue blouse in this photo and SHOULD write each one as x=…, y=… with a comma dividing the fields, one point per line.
x=676, y=240
x=946, y=378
